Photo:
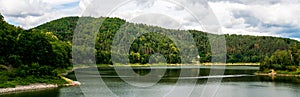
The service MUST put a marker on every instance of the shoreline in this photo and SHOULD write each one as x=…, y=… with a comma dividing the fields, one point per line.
x=40, y=86
x=198, y=64
x=20, y=88
x=287, y=75
x=230, y=64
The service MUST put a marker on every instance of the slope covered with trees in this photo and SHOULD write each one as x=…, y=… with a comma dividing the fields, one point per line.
x=31, y=56
x=239, y=48
x=45, y=51
x=287, y=60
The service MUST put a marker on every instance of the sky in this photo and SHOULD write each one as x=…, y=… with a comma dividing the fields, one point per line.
x=279, y=18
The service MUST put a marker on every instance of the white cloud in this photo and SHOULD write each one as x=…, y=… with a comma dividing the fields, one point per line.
x=280, y=18
x=155, y=12
x=30, y=13
x=268, y=18
x=84, y=3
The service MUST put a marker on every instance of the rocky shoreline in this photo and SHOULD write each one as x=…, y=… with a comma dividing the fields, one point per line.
x=27, y=88
x=40, y=86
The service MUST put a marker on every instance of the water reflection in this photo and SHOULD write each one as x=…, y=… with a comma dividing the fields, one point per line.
x=237, y=82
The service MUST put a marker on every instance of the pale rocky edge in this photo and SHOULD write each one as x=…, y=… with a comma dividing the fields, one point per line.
x=40, y=86
x=27, y=88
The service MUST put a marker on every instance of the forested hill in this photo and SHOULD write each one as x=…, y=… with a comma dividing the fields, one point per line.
x=239, y=48
x=31, y=56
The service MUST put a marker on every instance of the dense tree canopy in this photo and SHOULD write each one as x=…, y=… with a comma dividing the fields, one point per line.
x=50, y=44
x=46, y=49
x=62, y=28
x=283, y=59
x=25, y=53
x=239, y=48
x=8, y=42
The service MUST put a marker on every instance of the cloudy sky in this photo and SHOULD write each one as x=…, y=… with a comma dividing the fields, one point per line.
x=280, y=18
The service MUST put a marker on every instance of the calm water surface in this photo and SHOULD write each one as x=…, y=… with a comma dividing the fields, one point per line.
x=238, y=81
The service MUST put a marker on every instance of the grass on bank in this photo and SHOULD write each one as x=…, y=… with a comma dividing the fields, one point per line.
x=288, y=72
x=8, y=79
x=31, y=80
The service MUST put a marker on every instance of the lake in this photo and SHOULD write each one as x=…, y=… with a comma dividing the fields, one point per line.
x=237, y=81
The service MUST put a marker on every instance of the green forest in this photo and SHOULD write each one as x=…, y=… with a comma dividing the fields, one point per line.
x=240, y=48
x=285, y=61
x=31, y=56
x=44, y=52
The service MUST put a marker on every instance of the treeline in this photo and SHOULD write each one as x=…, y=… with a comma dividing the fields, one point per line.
x=239, y=48
x=288, y=59
x=27, y=54
x=46, y=49
x=254, y=48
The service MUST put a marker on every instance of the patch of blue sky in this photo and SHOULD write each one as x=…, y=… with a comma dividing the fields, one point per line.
x=67, y=5
x=276, y=25
x=12, y=22
x=284, y=30
x=291, y=32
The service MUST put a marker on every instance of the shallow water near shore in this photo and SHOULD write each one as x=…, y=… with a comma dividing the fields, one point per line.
x=238, y=81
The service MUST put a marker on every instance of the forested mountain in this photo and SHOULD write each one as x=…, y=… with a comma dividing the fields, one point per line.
x=31, y=56
x=45, y=51
x=8, y=41
x=63, y=28
x=239, y=48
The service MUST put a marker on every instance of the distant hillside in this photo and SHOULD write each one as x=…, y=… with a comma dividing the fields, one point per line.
x=239, y=48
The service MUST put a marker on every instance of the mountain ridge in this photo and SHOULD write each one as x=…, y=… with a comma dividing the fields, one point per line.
x=237, y=45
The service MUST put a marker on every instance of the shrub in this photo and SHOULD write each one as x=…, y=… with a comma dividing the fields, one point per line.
x=282, y=72
x=8, y=84
x=291, y=68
